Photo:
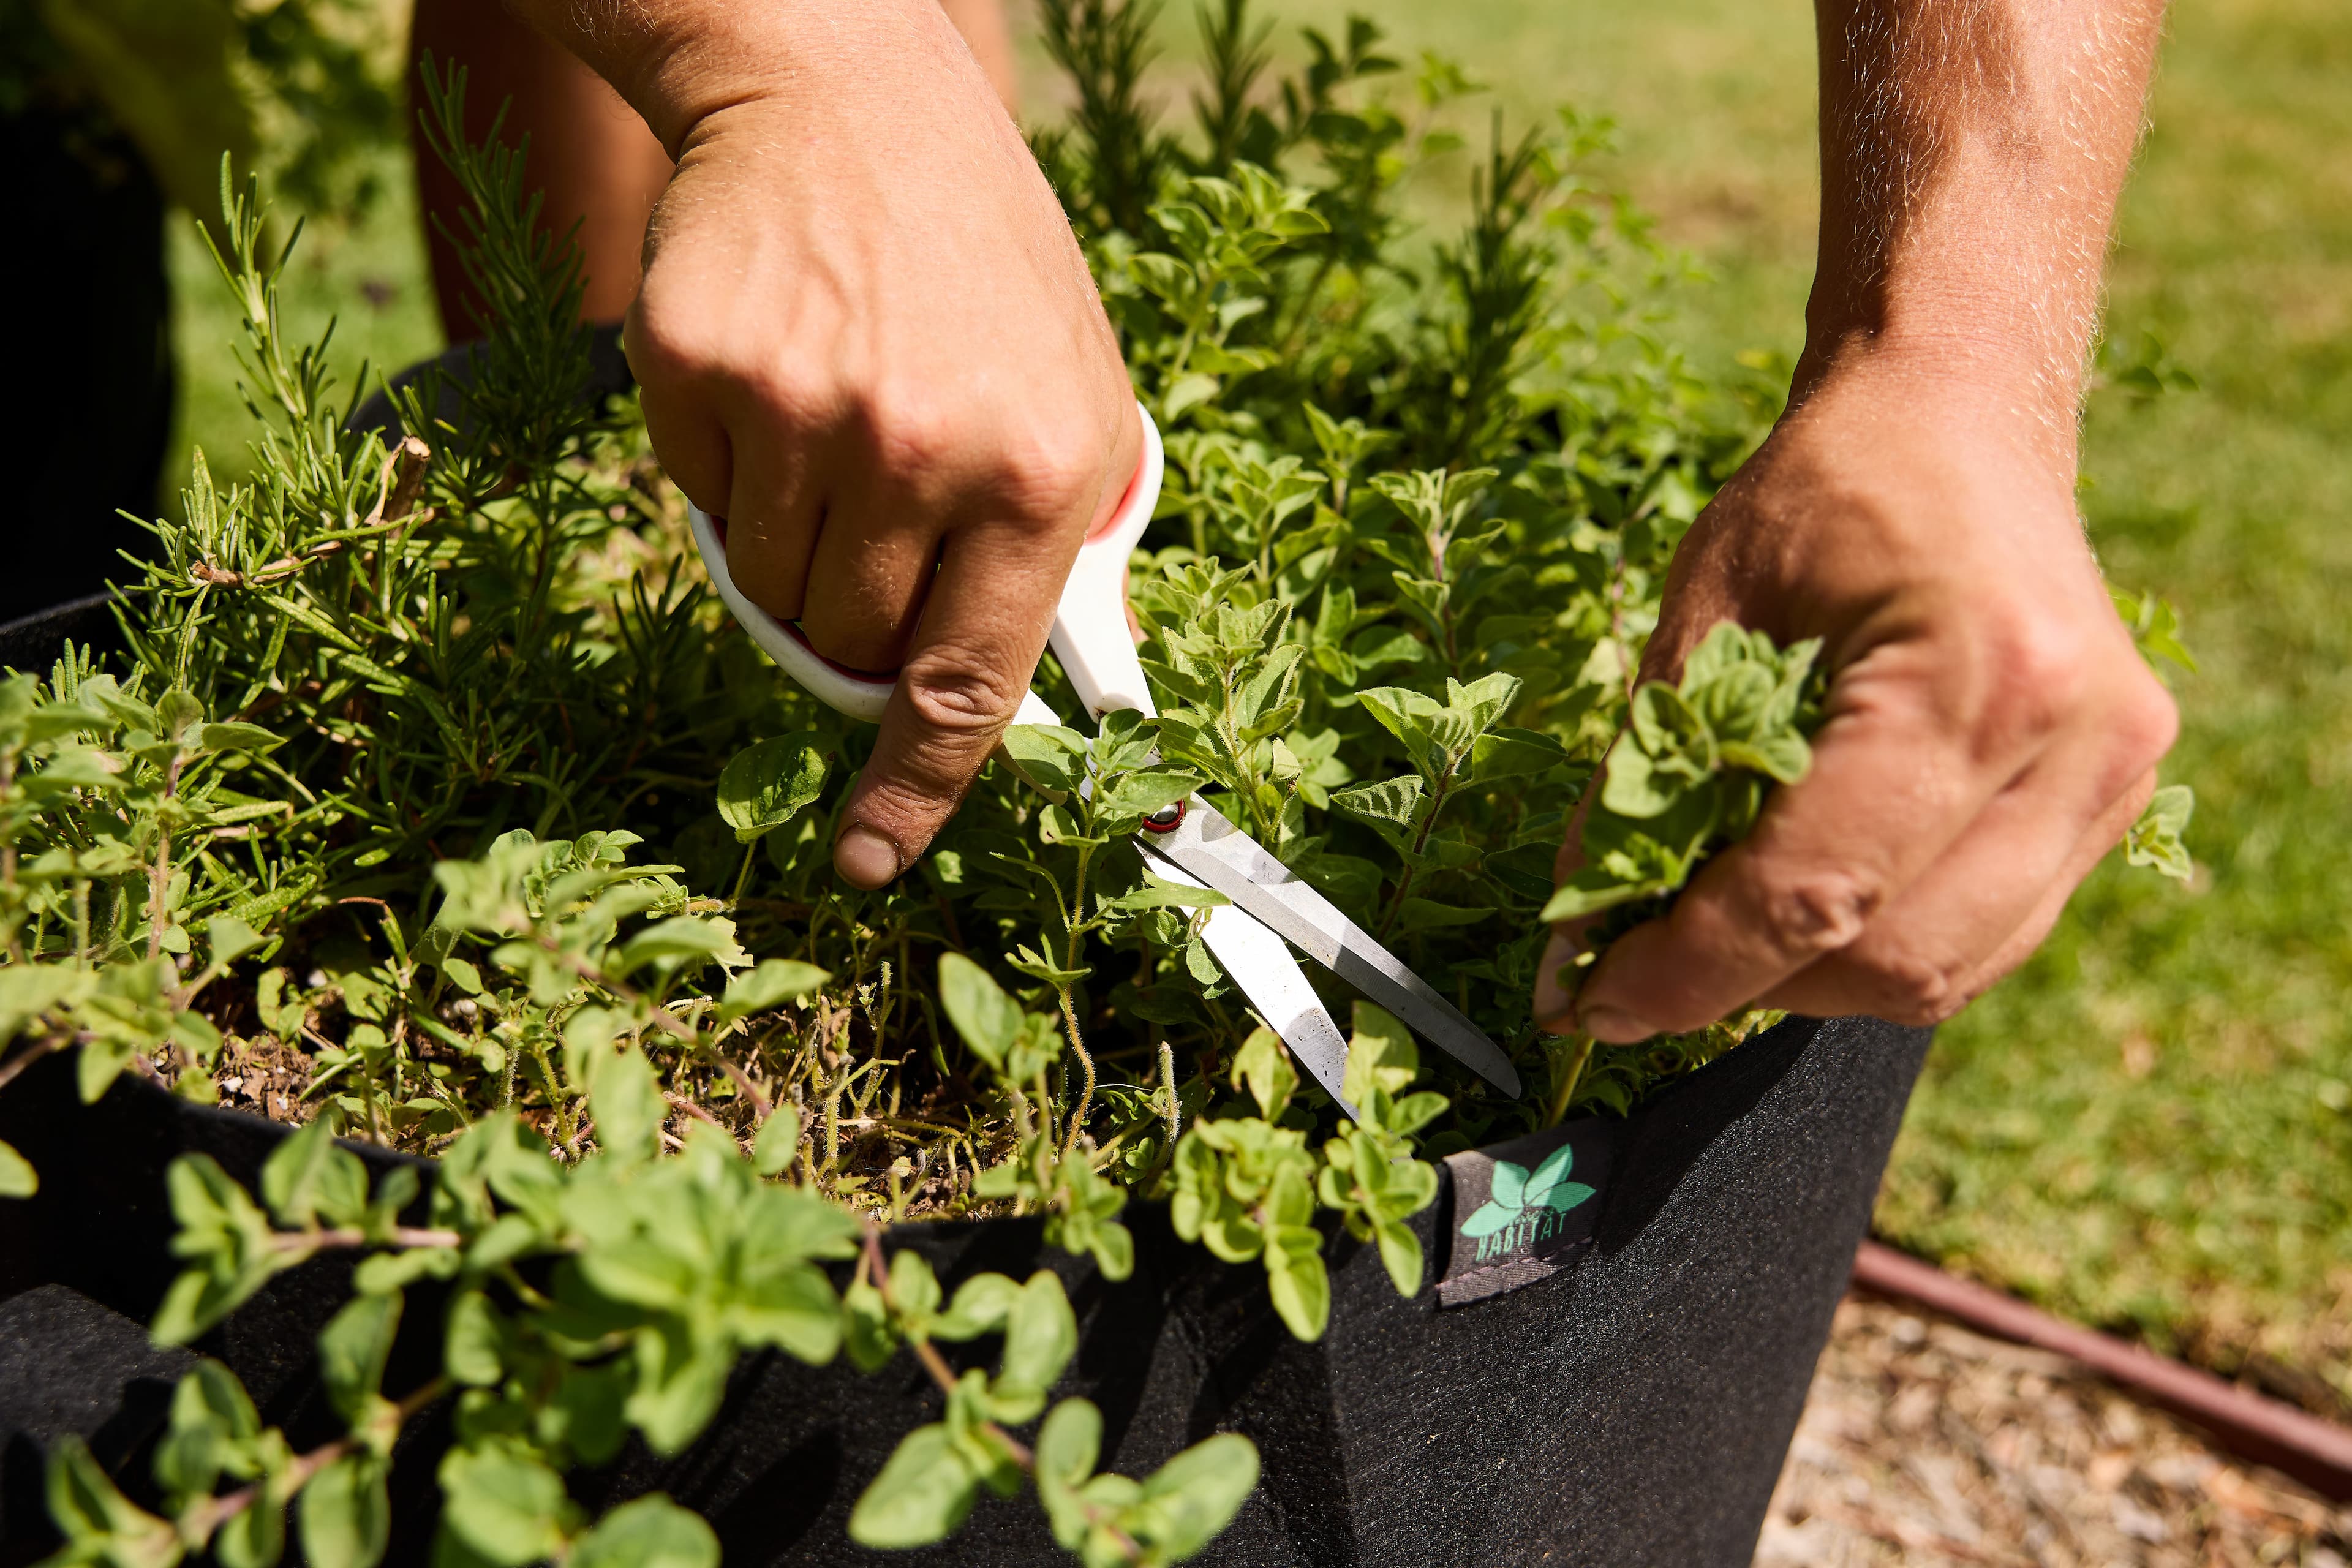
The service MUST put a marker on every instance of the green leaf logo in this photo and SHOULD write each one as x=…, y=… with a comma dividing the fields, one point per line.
x=1518, y=1198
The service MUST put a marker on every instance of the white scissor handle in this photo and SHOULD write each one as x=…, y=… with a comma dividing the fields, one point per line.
x=1091, y=632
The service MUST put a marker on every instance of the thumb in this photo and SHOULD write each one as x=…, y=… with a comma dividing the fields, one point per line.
x=983, y=629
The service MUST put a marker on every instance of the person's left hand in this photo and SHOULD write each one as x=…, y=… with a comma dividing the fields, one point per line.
x=1990, y=731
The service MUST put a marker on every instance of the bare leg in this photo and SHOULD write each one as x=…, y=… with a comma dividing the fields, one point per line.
x=591, y=156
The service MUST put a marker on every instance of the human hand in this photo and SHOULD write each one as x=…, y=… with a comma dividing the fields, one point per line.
x=1990, y=731
x=868, y=340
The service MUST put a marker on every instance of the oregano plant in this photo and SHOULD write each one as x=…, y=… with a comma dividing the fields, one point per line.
x=435, y=802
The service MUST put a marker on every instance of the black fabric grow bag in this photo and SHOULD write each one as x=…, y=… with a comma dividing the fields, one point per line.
x=1628, y=1404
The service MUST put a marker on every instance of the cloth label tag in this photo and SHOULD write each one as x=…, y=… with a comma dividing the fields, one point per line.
x=1526, y=1209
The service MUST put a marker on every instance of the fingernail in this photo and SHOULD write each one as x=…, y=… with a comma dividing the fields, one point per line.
x=1613, y=1027
x=865, y=857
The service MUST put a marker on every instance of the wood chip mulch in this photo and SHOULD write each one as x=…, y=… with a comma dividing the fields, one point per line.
x=1923, y=1443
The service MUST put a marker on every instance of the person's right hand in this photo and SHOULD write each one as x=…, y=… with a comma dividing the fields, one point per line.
x=868, y=339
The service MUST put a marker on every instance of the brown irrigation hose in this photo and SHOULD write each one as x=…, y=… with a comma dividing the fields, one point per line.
x=2318, y=1453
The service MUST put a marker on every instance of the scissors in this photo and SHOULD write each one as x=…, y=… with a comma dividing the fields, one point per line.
x=1190, y=844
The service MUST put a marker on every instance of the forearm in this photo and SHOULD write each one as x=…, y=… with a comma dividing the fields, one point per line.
x=678, y=62
x=1971, y=155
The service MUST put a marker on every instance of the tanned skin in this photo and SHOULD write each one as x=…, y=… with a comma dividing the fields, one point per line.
x=866, y=336
x=1991, y=730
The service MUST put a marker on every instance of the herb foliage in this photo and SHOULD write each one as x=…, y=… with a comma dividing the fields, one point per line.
x=438, y=803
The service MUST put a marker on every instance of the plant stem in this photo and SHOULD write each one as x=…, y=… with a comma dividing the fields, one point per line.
x=1580, y=1057
x=925, y=1352
x=1437, y=795
x=309, y=1241
x=1168, y=1080
x=201, y=1522
x=1087, y=1064
x=160, y=875
x=669, y=1021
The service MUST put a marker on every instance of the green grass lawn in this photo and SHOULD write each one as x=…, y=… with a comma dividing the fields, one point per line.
x=2152, y=1124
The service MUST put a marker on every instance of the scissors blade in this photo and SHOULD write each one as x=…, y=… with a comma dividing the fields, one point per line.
x=1261, y=965
x=1221, y=854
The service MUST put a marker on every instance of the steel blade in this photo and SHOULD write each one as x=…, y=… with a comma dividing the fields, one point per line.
x=1224, y=858
x=1263, y=966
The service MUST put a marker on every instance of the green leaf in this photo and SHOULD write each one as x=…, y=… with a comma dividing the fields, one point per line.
x=1428, y=914
x=177, y=712
x=1296, y=1279
x=1039, y=967
x=778, y=1142
x=17, y=1177
x=309, y=1178
x=1156, y=894
x=474, y=1340
x=1263, y=1064
x=1137, y=795
x=765, y=784
x=2155, y=839
x=988, y=1020
x=681, y=939
x=681, y=1377
x=982, y=1305
x=346, y=1512
x=1068, y=1446
x=99, y=1524
x=1196, y=1494
x=923, y=1493
x=1400, y=1253
x=914, y=1289
x=1382, y=1059
x=255, y=1538
x=230, y=939
x=212, y=1420
x=624, y=1097
x=648, y=1532
x=351, y=1351
x=1512, y=753
x=228, y=1243
x=773, y=983
x=30, y=990
x=1395, y=802
x=503, y=1501
x=1041, y=1335
x=1050, y=758
x=236, y=737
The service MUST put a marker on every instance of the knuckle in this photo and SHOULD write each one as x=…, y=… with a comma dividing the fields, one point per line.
x=2145, y=724
x=1051, y=479
x=1916, y=989
x=1805, y=913
x=914, y=436
x=668, y=341
x=2039, y=671
x=961, y=691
